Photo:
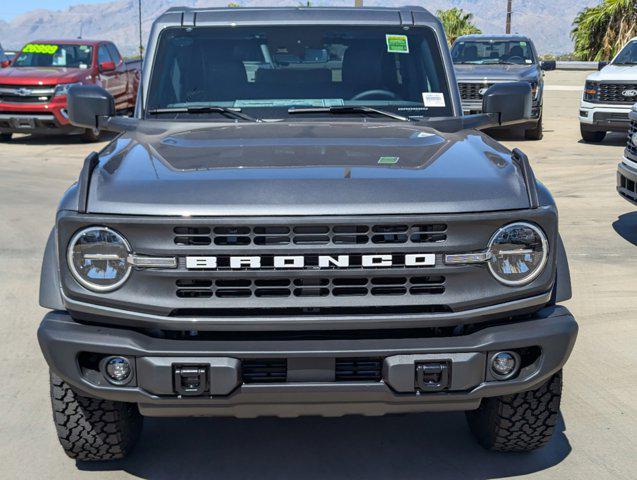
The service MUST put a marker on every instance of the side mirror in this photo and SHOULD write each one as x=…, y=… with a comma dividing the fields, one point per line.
x=548, y=65
x=511, y=102
x=88, y=105
x=601, y=65
x=5, y=64
x=107, y=66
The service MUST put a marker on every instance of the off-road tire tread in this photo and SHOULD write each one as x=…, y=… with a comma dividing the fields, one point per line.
x=91, y=428
x=518, y=423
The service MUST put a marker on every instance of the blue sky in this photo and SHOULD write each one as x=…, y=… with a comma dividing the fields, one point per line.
x=10, y=9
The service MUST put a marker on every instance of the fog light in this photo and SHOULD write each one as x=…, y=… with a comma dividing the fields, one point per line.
x=118, y=370
x=504, y=365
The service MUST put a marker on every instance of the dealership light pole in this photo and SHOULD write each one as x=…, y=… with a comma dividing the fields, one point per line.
x=509, y=12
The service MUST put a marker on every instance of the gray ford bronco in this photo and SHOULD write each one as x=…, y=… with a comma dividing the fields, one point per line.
x=483, y=60
x=299, y=220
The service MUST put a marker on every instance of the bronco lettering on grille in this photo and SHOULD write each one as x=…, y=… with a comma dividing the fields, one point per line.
x=311, y=262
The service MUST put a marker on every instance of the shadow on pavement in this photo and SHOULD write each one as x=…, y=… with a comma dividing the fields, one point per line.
x=424, y=446
x=626, y=227
x=56, y=139
x=615, y=139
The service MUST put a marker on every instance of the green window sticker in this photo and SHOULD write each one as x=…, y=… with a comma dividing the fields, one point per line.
x=388, y=160
x=40, y=48
x=397, y=43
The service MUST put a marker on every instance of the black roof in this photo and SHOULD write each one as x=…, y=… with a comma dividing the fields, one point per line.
x=404, y=15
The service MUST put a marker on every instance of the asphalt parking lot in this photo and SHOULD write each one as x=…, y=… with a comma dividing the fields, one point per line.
x=595, y=438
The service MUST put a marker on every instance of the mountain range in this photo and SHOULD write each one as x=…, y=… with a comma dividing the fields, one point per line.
x=548, y=22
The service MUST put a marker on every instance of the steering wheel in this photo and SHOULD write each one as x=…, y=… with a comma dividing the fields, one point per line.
x=515, y=59
x=374, y=93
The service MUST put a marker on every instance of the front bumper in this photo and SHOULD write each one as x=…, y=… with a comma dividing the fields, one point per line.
x=38, y=118
x=310, y=387
x=603, y=117
x=627, y=180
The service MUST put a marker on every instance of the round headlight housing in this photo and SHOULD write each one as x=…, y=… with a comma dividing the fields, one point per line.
x=98, y=259
x=519, y=252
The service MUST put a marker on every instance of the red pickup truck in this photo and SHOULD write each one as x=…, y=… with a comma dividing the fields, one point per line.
x=33, y=88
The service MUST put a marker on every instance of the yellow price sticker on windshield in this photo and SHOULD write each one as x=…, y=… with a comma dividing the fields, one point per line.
x=40, y=48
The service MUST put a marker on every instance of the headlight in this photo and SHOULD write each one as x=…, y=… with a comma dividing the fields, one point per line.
x=518, y=253
x=98, y=259
x=63, y=89
x=634, y=109
x=535, y=90
x=591, y=91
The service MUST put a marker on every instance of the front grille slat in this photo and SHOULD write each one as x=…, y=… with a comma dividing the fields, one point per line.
x=327, y=235
x=264, y=371
x=358, y=369
x=471, y=91
x=614, y=93
x=631, y=147
x=311, y=287
x=25, y=94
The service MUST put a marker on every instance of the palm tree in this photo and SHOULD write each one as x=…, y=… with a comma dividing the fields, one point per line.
x=457, y=22
x=600, y=32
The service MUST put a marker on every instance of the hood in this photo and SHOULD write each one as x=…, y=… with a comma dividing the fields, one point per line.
x=513, y=73
x=42, y=75
x=301, y=168
x=615, y=73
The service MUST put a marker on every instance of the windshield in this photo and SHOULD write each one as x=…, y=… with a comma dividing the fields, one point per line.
x=54, y=55
x=492, y=51
x=265, y=71
x=628, y=56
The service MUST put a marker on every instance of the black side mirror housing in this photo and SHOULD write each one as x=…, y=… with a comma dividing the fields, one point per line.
x=89, y=105
x=601, y=65
x=548, y=65
x=510, y=102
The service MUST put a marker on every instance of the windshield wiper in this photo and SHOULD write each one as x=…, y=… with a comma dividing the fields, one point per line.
x=230, y=112
x=348, y=109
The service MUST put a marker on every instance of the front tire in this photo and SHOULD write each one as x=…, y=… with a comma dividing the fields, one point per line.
x=91, y=428
x=518, y=423
x=592, y=136
x=91, y=135
x=536, y=133
x=5, y=137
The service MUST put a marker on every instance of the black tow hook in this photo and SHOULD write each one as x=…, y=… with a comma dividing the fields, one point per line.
x=432, y=376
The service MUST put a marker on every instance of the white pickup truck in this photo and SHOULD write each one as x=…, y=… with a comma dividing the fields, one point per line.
x=609, y=95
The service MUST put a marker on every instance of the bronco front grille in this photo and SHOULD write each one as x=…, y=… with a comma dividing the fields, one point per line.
x=269, y=235
x=615, y=92
x=310, y=287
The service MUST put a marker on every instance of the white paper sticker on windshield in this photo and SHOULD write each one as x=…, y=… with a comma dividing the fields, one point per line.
x=433, y=99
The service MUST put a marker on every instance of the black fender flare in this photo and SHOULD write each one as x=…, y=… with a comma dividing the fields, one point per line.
x=50, y=294
x=562, y=289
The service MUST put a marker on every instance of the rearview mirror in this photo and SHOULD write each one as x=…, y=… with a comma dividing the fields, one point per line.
x=548, y=65
x=510, y=102
x=88, y=105
x=107, y=66
x=601, y=65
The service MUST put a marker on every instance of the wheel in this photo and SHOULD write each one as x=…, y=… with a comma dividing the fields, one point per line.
x=91, y=135
x=90, y=428
x=592, y=136
x=5, y=137
x=518, y=423
x=536, y=133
